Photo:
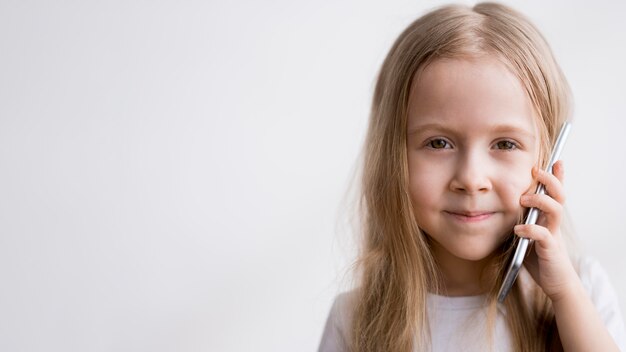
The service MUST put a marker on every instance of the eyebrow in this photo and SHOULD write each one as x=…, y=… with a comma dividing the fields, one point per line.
x=493, y=128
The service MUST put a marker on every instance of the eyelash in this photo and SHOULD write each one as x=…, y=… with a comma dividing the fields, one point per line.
x=513, y=144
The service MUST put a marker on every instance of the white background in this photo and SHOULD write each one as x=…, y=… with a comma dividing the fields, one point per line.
x=172, y=172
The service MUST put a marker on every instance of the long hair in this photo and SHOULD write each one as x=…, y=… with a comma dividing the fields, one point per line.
x=395, y=267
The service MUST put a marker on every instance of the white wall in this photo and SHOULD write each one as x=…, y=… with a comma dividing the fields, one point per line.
x=171, y=172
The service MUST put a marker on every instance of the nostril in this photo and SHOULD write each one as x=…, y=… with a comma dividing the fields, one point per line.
x=472, y=189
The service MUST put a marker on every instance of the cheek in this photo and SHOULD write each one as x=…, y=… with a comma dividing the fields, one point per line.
x=514, y=188
x=425, y=187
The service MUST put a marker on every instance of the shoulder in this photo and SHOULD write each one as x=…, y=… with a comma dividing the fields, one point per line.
x=589, y=269
x=336, y=335
x=596, y=282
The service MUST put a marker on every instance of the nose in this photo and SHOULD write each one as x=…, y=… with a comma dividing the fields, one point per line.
x=471, y=174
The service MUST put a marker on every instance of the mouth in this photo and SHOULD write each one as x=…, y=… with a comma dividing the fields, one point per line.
x=473, y=216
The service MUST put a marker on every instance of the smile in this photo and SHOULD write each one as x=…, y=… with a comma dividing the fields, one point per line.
x=470, y=217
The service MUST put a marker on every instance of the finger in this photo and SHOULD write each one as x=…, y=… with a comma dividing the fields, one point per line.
x=558, y=170
x=550, y=209
x=552, y=184
x=536, y=233
x=531, y=262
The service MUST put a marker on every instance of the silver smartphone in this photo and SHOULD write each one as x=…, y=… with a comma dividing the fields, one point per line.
x=531, y=218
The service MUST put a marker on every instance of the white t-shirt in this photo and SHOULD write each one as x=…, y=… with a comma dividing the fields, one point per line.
x=461, y=321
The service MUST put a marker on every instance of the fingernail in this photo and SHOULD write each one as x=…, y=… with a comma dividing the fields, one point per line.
x=518, y=228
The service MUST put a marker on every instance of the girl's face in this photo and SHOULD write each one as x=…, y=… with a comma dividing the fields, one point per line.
x=471, y=144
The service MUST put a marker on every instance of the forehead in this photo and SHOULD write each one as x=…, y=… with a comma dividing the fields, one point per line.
x=470, y=94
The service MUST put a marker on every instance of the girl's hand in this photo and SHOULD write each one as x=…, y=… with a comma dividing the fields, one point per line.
x=549, y=262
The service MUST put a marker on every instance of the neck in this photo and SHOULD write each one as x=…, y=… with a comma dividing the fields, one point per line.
x=461, y=277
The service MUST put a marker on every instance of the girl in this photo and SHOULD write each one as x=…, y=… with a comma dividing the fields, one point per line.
x=466, y=107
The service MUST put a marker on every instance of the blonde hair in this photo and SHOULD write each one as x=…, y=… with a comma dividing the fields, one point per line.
x=395, y=267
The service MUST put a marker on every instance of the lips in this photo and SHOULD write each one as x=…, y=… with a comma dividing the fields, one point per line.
x=470, y=216
x=470, y=213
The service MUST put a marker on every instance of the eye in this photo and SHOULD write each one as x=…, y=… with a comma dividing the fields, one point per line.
x=438, y=143
x=506, y=145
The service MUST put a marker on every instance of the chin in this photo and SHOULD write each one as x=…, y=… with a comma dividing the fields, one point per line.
x=475, y=257
x=474, y=254
x=468, y=247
